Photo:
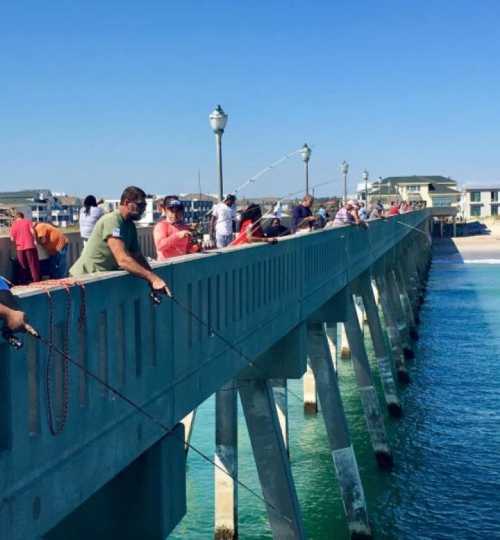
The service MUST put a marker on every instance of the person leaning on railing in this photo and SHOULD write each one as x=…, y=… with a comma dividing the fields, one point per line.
x=113, y=244
x=173, y=237
x=251, y=229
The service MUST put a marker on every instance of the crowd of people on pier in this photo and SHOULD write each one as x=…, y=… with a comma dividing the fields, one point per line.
x=111, y=241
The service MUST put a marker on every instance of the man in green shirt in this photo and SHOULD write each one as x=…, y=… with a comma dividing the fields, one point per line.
x=113, y=244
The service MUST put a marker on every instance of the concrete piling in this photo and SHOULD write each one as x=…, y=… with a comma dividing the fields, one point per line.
x=399, y=315
x=331, y=337
x=344, y=459
x=273, y=465
x=382, y=353
x=280, y=392
x=226, y=457
x=369, y=399
x=310, y=394
x=392, y=330
x=188, y=422
x=345, y=351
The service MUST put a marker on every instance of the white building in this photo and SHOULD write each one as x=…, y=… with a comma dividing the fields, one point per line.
x=480, y=202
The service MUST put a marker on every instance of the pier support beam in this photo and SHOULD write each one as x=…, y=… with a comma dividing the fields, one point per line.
x=188, y=422
x=310, y=394
x=226, y=457
x=271, y=459
x=345, y=351
x=331, y=336
x=344, y=459
x=369, y=399
x=392, y=330
x=145, y=500
x=280, y=392
x=382, y=353
x=399, y=315
x=403, y=288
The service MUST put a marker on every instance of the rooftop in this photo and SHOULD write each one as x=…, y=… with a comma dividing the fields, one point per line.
x=417, y=179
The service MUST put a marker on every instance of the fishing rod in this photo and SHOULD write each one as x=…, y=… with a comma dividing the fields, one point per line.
x=266, y=169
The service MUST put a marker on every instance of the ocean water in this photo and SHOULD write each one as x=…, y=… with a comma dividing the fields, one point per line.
x=446, y=480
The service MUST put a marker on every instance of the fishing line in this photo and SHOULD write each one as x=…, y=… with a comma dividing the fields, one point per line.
x=158, y=422
x=265, y=170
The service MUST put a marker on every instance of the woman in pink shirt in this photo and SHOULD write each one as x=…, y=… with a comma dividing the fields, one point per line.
x=23, y=236
x=172, y=236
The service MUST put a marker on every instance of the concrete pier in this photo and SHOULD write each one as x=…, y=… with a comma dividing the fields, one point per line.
x=273, y=465
x=241, y=315
x=344, y=459
x=226, y=459
x=382, y=354
x=369, y=399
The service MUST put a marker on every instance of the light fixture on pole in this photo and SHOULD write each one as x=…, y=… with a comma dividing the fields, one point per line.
x=365, y=178
x=218, y=121
x=306, y=156
x=344, y=168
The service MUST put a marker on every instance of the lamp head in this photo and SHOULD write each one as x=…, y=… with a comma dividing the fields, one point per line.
x=218, y=119
x=344, y=167
x=305, y=152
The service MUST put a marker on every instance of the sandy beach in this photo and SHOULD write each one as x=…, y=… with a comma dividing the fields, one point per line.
x=469, y=248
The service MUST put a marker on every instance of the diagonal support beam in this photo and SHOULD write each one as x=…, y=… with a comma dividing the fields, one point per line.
x=382, y=353
x=271, y=459
x=369, y=399
x=332, y=409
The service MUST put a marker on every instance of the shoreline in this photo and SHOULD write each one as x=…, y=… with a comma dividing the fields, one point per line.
x=480, y=248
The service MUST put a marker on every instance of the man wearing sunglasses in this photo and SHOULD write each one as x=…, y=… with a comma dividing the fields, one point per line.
x=113, y=244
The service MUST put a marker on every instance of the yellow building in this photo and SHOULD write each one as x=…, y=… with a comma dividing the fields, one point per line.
x=434, y=191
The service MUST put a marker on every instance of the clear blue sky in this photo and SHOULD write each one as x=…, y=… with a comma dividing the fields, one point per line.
x=96, y=95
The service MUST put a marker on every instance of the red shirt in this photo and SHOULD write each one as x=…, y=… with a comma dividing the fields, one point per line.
x=21, y=233
x=168, y=244
x=242, y=237
x=393, y=211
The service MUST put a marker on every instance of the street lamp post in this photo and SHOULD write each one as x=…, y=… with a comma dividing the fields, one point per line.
x=218, y=121
x=344, y=167
x=365, y=178
x=306, y=156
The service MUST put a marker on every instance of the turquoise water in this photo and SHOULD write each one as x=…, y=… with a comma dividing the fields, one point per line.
x=446, y=482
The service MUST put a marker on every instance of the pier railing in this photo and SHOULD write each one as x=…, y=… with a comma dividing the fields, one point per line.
x=161, y=356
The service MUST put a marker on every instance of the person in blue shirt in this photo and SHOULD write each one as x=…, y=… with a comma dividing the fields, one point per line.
x=302, y=216
x=13, y=318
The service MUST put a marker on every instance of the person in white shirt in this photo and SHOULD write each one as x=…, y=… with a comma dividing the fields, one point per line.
x=221, y=224
x=89, y=216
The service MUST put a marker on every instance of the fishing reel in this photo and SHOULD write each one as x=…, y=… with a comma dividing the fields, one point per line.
x=156, y=295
